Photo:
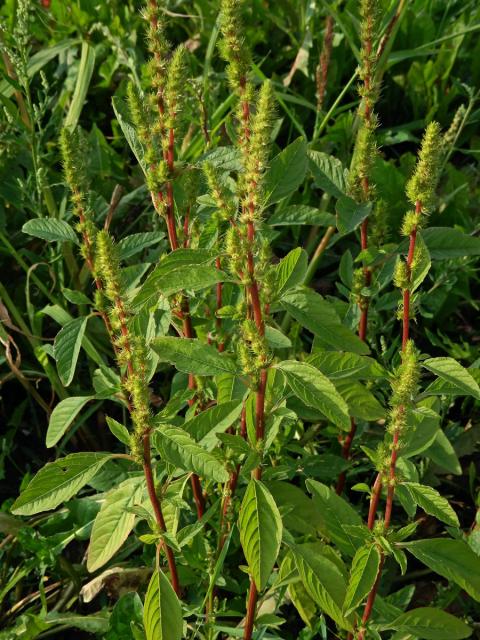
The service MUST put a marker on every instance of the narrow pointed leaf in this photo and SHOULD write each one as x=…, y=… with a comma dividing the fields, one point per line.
x=66, y=348
x=193, y=356
x=316, y=390
x=432, y=502
x=260, y=528
x=363, y=574
x=62, y=417
x=454, y=374
x=162, y=613
x=59, y=481
x=452, y=559
x=181, y=450
x=114, y=522
x=428, y=623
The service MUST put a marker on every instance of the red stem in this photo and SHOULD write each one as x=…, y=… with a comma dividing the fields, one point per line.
x=219, y=292
x=157, y=509
x=396, y=436
x=251, y=611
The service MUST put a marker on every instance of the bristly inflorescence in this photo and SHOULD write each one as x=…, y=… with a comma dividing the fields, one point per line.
x=404, y=388
x=74, y=151
x=232, y=46
x=365, y=150
x=255, y=163
x=422, y=185
x=157, y=114
x=131, y=351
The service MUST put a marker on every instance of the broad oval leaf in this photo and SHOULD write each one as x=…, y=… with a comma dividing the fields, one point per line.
x=66, y=348
x=350, y=214
x=301, y=214
x=260, y=527
x=452, y=559
x=193, y=356
x=162, y=613
x=446, y=242
x=291, y=270
x=454, y=374
x=114, y=522
x=51, y=230
x=62, y=417
x=364, y=571
x=432, y=502
x=316, y=390
x=205, y=425
x=136, y=242
x=318, y=316
x=328, y=173
x=179, y=448
x=324, y=582
x=335, y=513
x=59, y=481
x=287, y=171
x=429, y=623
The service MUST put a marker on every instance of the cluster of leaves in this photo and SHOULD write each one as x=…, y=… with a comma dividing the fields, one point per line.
x=217, y=427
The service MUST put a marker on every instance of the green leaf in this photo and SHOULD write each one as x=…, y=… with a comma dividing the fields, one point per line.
x=62, y=417
x=350, y=214
x=162, y=613
x=319, y=316
x=335, y=513
x=301, y=214
x=66, y=348
x=323, y=580
x=423, y=429
x=119, y=430
x=137, y=242
x=58, y=481
x=328, y=173
x=291, y=270
x=120, y=109
x=446, y=242
x=85, y=71
x=175, y=273
x=260, y=527
x=441, y=452
x=299, y=512
x=50, y=230
x=364, y=571
x=362, y=404
x=114, y=522
x=432, y=503
x=340, y=366
x=452, y=559
x=75, y=297
x=96, y=623
x=453, y=373
x=421, y=264
x=287, y=172
x=205, y=426
x=315, y=390
x=193, y=356
x=276, y=339
x=179, y=448
x=428, y=623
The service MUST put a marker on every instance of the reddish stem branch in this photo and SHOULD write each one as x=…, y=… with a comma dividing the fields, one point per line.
x=396, y=437
x=157, y=509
